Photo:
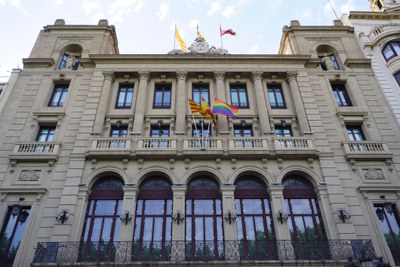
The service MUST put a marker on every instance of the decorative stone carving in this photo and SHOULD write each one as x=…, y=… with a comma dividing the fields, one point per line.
x=292, y=75
x=373, y=174
x=181, y=75
x=178, y=251
x=144, y=75
x=219, y=75
x=256, y=75
x=29, y=175
x=108, y=75
x=200, y=47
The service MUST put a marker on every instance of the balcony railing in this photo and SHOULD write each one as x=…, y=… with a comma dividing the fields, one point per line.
x=294, y=145
x=110, y=146
x=250, y=143
x=66, y=253
x=36, y=151
x=156, y=143
x=366, y=150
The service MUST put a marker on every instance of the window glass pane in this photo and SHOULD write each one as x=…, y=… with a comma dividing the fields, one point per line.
x=148, y=229
x=96, y=230
x=220, y=233
x=167, y=97
x=106, y=234
x=168, y=230
x=252, y=206
x=260, y=232
x=105, y=207
x=169, y=207
x=237, y=207
x=218, y=207
x=266, y=206
x=300, y=206
x=199, y=229
x=188, y=207
x=209, y=228
x=249, y=228
x=116, y=229
x=139, y=207
x=129, y=96
x=85, y=236
x=138, y=224
x=188, y=228
x=301, y=233
x=388, y=52
x=239, y=228
x=158, y=227
x=203, y=207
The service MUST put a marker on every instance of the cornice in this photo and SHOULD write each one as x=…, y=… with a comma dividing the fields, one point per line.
x=373, y=15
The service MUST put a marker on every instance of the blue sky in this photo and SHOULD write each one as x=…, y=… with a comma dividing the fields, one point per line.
x=147, y=26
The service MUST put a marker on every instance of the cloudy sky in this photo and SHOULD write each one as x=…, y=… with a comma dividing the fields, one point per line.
x=147, y=26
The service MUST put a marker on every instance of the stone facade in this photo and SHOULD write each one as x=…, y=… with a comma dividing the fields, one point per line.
x=54, y=179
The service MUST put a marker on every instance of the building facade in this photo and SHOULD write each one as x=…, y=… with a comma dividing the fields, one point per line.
x=103, y=162
x=378, y=33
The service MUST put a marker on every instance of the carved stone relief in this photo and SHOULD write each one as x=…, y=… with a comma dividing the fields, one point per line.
x=29, y=175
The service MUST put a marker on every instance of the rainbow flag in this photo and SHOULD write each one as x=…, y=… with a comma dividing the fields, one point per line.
x=223, y=108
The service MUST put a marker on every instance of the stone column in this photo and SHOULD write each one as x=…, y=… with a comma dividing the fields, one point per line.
x=178, y=230
x=298, y=102
x=181, y=103
x=144, y=77
x=103, y=102
x=230, y=231
x=220, y=88
x=261, y=103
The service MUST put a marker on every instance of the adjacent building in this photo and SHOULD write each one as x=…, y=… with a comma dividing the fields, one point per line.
x=103, y=162
x=378, y=34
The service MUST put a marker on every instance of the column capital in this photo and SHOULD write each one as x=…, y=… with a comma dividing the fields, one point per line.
x=292, y=75
x=181, y=75
x=256, y=75
x=219, y=75
x=144, y=75
x=108, y=75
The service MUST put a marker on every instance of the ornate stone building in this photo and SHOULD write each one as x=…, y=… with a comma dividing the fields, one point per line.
x=103, y=163
x=378, y=34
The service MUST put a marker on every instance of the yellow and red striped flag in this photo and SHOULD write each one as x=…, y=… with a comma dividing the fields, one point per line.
x=180, y=41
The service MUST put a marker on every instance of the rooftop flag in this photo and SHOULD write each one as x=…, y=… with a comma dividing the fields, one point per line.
x=180, y=41
x=220, y=107
x=199, y=34
x=228, y=31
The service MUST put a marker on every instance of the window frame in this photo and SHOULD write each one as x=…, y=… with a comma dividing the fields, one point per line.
x=283, y=130
x=121, y=131
x=163, y=88
x=201, y=88
x=391, y=45
x=276, y=89
x=239, y=89
x=397, y=77
x=62, y=96
x=352, y=133
x=129, y=90
x=341, y=94
x=51, y=133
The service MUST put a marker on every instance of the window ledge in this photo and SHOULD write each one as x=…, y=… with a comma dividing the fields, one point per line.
x=38, y=62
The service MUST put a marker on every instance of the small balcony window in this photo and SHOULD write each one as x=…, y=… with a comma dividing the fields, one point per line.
x=391, y=50
x=355, y=133
x=239, y=96
x=125, y=96
x=341, y=95
x=46, y=134
x=59, y=95
x=276, y=98
x=162, y=96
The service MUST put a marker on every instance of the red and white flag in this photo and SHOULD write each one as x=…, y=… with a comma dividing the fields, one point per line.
x=228, y=31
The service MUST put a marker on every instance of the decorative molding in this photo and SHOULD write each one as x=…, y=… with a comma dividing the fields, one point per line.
x=171, y=164
x=181, y=75
x=256, y=75
x=108, y=75
x=144, y=75
x=373, y=174
x=233, y=163
x=292, y=75
x=29, y=175
x=219, y=75
x=187, y=164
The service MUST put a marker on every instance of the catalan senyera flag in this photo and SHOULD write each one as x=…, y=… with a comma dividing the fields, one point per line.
x=180, y=41
x=206, y=111
x=220, y=107
x=194, y=107
x=199, y=34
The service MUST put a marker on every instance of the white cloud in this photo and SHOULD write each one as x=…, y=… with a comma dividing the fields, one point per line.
x=17, y=4
x=193, y=23
x=215, y=7
x=90, y=6
x=306, y=14
x=163, y=11
x=243, y=2
x=346, y=7
x=229, y=11
x=120, y=8
x=255, y=49
x=58, y=3
x=2, y=2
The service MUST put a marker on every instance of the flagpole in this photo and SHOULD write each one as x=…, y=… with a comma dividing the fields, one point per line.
x=222, y=46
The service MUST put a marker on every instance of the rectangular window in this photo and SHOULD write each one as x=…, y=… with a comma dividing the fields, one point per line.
x=162, y=96
x=283, y=131
x=158, y=132
x=201, y=91
x=239, y=96
x=200, y=131
x=121, y=131
x=59, y=95
x=125, y=96
x=46, y=134
x=243, y=132
x=341, y=96
x=275, y=94
x=355, y=133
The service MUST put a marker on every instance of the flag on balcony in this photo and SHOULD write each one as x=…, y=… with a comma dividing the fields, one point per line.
x=180, y=40
x=220, y=107
x=206, y=111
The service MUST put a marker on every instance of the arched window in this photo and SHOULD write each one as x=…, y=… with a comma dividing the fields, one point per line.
x=152, y=234
x=254, y=220
x=204, y=229
x=70, y=57
x=304, y=219
x=102, y=221
x=391, y=50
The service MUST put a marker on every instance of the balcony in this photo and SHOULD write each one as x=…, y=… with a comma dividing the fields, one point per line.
x=110, y=147
x=36, y=151
x=294, y=146
x=197, y=146
x=253, y=144
x=366, y=150
x=95, y=253
x=147, y=146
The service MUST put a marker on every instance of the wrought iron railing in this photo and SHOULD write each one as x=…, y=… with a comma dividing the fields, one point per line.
x=139, y=251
